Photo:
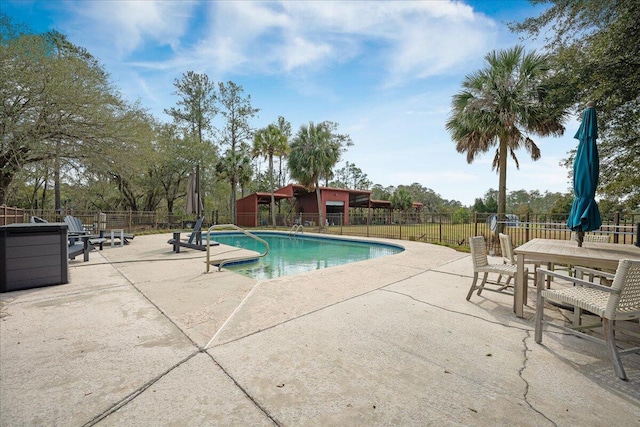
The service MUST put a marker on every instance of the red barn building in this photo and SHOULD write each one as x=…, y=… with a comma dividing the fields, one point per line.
x=336, y=205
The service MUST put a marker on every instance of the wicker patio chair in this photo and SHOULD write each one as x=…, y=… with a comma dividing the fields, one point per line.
x=481, y=265
x=619, y=302
x=509, y=257
x=593, y=238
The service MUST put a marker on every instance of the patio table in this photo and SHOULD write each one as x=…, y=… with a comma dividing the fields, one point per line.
x=593, y=255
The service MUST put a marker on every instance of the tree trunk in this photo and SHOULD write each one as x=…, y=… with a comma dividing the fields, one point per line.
x=272, y=206
x=5, y=180
x=502, y=186
x=232, y=201
x=44, y=190
x=56, y=179
x=320, y=221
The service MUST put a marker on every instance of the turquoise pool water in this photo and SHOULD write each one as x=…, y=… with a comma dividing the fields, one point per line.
x=293, y=255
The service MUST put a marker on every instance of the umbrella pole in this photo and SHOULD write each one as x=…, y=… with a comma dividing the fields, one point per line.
x=580, y=237
x=198, y=190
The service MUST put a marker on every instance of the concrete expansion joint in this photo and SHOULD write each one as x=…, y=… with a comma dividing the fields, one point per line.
x=244, y=391
x=131, y=396
x=469, y=276
x=381, y=288
x=167, y=317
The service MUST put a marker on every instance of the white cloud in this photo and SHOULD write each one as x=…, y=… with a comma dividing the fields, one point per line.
x=132, y=24
x=400, y=40
x=412, y=39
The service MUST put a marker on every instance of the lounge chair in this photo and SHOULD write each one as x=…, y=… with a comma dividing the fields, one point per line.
x=76, y=229
x=194, y=241
x=78, y=243
x=481, y=265
x=612, y=304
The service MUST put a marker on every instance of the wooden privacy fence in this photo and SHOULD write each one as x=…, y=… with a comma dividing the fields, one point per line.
x=130, y=221
x=10, y=215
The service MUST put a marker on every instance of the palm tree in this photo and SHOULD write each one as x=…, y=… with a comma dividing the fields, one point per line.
x=402, y=200
x=501, y=105
x=269, y=142
x=315, y=150
x=285, y=128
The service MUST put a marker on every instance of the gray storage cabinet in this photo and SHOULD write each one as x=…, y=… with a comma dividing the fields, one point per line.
x=33, y=255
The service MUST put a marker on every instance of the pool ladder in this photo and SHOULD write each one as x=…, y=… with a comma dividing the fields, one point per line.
x=297, y=228
x=220, y=262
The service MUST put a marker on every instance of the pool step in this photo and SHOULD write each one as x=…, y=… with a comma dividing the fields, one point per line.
x=220, y=262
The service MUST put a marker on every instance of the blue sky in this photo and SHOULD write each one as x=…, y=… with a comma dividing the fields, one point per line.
x=385, y=71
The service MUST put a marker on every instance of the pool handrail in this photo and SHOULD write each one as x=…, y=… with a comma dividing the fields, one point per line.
x=297, y=228
x=224, y=261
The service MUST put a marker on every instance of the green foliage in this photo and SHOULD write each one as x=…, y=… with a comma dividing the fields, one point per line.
x=179, y=153
x=352, y=177
x=596, y=48
x=378, y=192
x=479, y=206
x=562, y=204
x=491, y=204
x=461, y=216
x=401, y=200
x=431, y=201
x=196, y=104
x=58, y=105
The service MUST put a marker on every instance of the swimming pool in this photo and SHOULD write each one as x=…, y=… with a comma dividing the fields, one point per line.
x=293, y=255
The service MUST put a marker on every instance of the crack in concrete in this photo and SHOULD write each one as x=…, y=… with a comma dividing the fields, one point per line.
x=525, y=359
x=525, y=350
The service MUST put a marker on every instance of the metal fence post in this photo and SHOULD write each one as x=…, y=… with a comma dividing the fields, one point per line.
x=475, y=223
x=616, y=221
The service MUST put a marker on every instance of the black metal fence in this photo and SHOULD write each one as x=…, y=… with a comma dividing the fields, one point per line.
x=455, y=229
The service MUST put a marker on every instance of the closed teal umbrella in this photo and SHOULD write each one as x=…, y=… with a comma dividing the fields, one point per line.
x=585, y=215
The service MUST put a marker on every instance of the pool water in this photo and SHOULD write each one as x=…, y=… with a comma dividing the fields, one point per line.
x=292, y=255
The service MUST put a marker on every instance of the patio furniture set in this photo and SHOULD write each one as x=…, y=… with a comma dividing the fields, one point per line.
x=611, y=293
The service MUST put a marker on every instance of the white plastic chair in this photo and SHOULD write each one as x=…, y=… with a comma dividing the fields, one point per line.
x=481, y=265
x=621, y=301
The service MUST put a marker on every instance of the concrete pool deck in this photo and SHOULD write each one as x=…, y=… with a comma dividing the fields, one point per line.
x=141, y=336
